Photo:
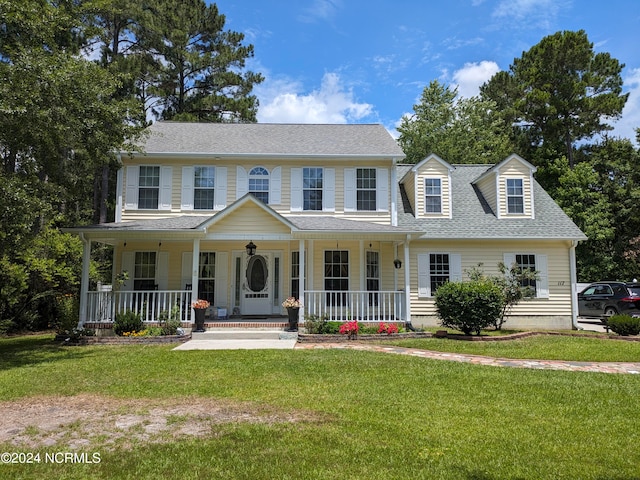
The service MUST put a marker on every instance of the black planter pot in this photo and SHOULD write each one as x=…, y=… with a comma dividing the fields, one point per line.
x=199, y=319
x=293, y=319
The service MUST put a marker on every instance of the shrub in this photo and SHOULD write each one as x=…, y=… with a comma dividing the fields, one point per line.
x=127, y=322
x=169, y=321
x=624, y=325
x=67, y=311
x=388, y=328
x=469, y=306
x=350, y=329
x=315, y=324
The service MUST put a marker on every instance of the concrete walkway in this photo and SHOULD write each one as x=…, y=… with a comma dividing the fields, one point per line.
x=239, y=339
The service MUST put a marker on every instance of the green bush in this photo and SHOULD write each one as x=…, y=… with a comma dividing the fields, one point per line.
x=315, y=324
x=469, y=306
x=624, y=325
x=127, y=322
x=169, y=321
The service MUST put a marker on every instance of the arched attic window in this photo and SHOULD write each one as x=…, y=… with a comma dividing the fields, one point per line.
x=259, y=183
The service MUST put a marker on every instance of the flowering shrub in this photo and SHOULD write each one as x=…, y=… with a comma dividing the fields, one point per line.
x=350, y=329
x=388, y=328
x=292, y=302
x=200, y=304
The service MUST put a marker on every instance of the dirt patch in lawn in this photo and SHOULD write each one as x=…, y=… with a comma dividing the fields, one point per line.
x=83, y=421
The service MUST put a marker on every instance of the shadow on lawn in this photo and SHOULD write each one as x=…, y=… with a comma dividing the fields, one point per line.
x=32, y=350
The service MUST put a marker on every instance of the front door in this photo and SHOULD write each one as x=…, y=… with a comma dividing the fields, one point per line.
x=256, y=289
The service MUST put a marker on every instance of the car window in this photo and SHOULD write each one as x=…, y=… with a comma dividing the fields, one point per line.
x=619, y=290
x=634, y=291
x=589, y=290
x=603, y=290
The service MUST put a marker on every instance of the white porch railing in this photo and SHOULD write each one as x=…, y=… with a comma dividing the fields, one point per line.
x=363, y=306
x=103, y=306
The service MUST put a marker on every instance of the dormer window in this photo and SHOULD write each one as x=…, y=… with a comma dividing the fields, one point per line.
x=259, y=183
x=515, y=196
x=433, y=195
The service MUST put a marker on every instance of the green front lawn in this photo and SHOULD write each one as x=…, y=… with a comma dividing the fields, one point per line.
x=358, y=414
x=541, y=347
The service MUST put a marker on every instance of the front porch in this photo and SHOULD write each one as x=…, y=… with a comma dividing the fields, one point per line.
x=151, y=305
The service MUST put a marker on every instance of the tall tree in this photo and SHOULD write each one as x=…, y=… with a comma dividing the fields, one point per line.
x=203, y=75
x=560, y=92
x=459, y=130
x=59, y=119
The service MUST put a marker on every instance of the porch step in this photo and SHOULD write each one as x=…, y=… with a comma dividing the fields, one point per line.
x=238, y=334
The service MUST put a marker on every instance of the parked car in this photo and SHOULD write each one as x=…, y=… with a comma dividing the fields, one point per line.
x=603, y=299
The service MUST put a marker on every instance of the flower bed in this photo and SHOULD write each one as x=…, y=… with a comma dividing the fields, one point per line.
x=116, y=340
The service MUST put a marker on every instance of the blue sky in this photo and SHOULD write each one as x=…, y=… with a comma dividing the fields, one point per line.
x=367, y=61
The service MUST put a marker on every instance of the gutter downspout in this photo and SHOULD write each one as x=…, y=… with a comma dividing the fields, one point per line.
x=574, y=286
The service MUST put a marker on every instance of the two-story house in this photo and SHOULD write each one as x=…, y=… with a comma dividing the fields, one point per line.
x=245, y=215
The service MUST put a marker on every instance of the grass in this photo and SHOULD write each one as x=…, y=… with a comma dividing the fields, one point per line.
x=377, y=416
x=542, y=347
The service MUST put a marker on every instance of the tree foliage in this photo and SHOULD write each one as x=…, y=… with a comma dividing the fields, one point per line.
x=560, y=92
x=459, y=130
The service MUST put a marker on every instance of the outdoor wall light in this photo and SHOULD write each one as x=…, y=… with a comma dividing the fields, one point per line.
x=251, y=248
x=397, y=263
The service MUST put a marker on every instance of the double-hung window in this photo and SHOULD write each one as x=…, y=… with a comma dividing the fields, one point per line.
x=144, y=272
x=312, y=188
x=533, y=262
x=204, y=188
x=207, y=276
x=433, y=195
x=336, y=276
x=366, y=189
x=515, y=196
x=373, y=276
x=148, y=187
x=435, y=269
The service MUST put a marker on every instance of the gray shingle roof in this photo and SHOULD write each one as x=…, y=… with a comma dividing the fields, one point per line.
x=472, y=217
x=270, y=139
x=303, y=223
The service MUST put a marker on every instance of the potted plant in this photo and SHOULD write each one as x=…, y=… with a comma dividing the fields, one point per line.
x=200, y=307
x=292, y=305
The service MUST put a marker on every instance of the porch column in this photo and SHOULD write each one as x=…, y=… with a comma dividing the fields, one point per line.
x=195, y=265
x=301, y=285
x=407, y=282
x=84, y=280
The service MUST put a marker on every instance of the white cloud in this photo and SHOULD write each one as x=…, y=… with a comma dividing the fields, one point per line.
x=625, y=127
x=529, y=13
x=470, y=77
x=321, y=10
x=281, y=101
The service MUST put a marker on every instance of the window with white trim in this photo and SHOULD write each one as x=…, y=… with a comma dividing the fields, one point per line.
x=207, y=276
x=438, y=270
x=144, y=271
x=515, y=196
x=312, y=188
x=435, y=269
x=373, y=276
x=336, y=276
x=204, y=188
x=259, y=183
x=366, y=193
x=433, y=195
x=148, y=187
x=534, y=262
